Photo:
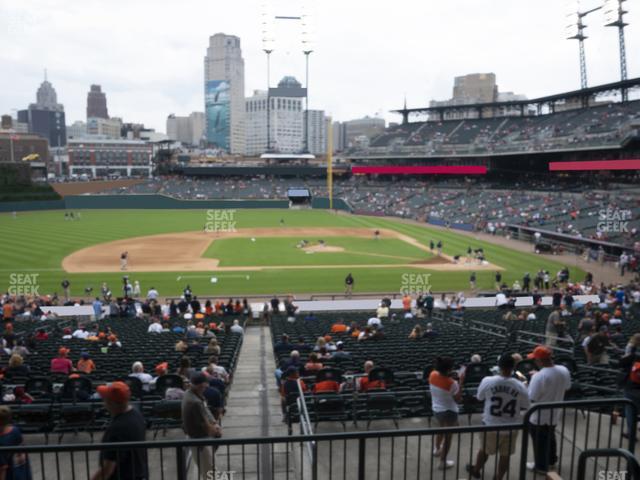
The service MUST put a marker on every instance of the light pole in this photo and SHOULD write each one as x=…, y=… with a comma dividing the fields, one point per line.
x=614, y=17
x=577, y=28
x=306, y=101
x=268, y=52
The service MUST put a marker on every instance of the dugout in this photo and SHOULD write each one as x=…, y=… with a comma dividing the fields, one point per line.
x=299, y=198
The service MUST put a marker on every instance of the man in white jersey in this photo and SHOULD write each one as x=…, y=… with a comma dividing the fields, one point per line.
x=549, y=384
x=504, y=397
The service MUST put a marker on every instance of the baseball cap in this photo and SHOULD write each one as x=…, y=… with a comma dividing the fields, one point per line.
x=198, y=378
x=117, y=392
x=63, y=351
x=84, y=355
x=541, y=353
x=162, y=367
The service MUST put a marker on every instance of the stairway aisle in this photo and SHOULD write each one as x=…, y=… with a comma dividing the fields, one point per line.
x=253, y=409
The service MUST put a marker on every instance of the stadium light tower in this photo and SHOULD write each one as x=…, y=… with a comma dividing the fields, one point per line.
x=267, y=48
x=307, y=49
x=575, y=31
x=614, y=13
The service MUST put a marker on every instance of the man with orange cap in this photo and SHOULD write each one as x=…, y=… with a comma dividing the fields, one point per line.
x=549, y=384
x=61, y=364
x=127, y=425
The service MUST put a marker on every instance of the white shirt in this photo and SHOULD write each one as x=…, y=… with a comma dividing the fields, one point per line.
x=443, y=391
x=152, y=294
x=548, y=385
x=382, y=312
x=504, y=398
x=154, y=328
x=83, y=334
x=501, y=299
x=145, y=378
x=236, y=329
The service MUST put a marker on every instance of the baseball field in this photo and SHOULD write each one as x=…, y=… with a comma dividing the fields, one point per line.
x=243, y=252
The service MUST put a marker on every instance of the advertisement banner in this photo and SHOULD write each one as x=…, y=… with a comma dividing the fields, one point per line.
x=217, y=104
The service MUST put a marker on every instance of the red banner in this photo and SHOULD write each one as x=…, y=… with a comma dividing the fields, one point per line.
x=422, y=170
x=595, y=165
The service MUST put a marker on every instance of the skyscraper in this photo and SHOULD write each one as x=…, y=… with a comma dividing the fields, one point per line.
x=286, y=122
x=96, y=103
x=46, y=116
x=224, y=93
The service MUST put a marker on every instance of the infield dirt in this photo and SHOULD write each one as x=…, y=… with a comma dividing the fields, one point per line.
x=180, y=252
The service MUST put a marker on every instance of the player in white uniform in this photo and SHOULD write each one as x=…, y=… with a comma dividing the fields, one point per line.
x=504, y=398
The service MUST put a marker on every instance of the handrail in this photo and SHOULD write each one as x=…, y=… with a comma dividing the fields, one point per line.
x=558, y=406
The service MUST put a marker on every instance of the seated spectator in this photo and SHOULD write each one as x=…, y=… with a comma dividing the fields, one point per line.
x=367, y=334
x=194, y=348
x=155, y=327
x=302, y=345
x=340, y=353
x=137, y=371
x=16, y=367
x=313, y=365
x=185, y=370
x=66, y=334
x=339, y=327
x=112, y=341
x=41, y=335
x=416, y=333
x=236, y=327
x=289, y=387
x=181, y=346
x=81, y=333
x=374, y=322
x=61, y=364
x=354, y=330
x=213, y=348
x=382, y=312
x=326, y=386
x=363, y=383
x=219, y=369
x=429, y=332
x=21, y=349
x=85, y=364
x=160, y=370
x=283, y=346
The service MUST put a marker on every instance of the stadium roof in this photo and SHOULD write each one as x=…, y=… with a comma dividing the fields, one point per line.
x=583, y=94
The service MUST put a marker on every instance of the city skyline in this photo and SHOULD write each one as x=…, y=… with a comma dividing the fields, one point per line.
x=412, y=50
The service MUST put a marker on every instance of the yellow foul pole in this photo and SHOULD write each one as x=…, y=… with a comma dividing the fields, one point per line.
x=330, y=162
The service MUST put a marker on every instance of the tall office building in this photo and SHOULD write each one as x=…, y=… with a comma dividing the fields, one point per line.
x=224, y=93
x=317, y=137
x=188, y=130
x=286, y=119
x=477, y=88
x=97, y=103
x=362, y=129
x=46, y=116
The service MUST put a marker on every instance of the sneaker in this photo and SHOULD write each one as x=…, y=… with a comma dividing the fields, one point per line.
x=446, y=464
x=472, y=472
x=532, y=467
x=436, y=452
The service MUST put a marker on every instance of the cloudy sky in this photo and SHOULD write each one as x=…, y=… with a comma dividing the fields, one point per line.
x=148, y=54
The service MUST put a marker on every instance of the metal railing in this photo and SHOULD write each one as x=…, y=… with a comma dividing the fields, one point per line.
x=581, y=426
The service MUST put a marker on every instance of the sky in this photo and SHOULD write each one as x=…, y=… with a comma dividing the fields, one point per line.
x=367, y=55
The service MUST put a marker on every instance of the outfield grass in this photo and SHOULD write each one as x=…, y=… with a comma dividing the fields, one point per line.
x=36, y=242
